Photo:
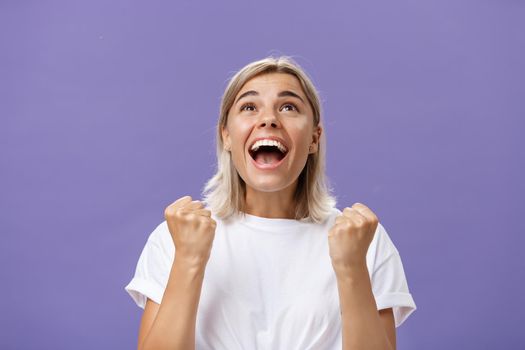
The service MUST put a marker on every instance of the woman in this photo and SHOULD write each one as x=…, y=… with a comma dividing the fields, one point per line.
x=285, y=269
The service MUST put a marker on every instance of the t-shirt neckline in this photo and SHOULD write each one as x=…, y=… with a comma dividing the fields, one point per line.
x=260, y=221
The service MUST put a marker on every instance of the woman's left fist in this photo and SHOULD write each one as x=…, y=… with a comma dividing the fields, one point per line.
x=350, y=237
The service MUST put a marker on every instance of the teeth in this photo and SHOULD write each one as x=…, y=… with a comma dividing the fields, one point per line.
x=267, y=142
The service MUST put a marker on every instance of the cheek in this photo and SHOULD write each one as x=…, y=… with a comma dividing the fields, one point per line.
x=239, y=133
x=301, y=134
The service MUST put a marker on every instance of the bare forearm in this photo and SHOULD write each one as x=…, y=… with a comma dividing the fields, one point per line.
x=174, y=325
x=362, y=327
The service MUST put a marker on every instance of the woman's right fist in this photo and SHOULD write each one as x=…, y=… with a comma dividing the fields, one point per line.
x=192, y=230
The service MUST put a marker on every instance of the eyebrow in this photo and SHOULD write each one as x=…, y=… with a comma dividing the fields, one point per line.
x=280, y=94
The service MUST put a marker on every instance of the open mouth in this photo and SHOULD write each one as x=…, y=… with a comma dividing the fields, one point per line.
x=268, y=155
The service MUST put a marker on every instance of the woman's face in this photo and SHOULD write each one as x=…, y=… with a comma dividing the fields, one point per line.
x=270, y=131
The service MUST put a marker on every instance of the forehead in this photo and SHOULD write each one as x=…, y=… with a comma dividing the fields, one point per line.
x=273, y=81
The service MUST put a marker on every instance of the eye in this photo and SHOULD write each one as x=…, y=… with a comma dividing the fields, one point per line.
x=290, y=105
x=248, y=105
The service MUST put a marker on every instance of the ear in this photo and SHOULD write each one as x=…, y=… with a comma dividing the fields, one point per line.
x=316, y=136
x=226, y=138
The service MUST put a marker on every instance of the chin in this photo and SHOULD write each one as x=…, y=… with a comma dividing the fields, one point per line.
x=268, y=184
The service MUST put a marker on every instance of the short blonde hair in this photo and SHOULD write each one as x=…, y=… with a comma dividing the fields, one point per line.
x=225, y=192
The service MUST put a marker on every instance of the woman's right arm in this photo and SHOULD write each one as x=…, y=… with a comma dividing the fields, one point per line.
x=171, y=325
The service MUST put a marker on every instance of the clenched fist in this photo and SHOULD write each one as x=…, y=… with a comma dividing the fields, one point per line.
x=192, y=230
x=350, y=237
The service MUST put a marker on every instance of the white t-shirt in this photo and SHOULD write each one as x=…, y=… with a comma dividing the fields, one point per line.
x=270, y=284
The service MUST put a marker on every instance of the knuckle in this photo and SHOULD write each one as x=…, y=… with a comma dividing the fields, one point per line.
x=180, y=213
x=341, y=227
x=347, y=225
x=169, y=212
x=360, y=221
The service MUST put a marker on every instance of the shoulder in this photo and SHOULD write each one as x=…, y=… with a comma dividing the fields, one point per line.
x=159, y=232
x=383, y=239
x=381, y=248
x=160, y=239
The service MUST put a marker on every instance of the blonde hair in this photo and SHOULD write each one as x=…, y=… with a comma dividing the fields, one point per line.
x=224, y=193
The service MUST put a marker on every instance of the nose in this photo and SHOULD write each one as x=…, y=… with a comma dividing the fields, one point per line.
x=269, y=120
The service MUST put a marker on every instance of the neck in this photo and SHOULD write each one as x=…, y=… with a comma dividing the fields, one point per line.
x=275, y=205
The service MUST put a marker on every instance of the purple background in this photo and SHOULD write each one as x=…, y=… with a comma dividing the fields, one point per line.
x=108, y=110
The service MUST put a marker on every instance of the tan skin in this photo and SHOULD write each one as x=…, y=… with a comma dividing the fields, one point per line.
x=268, y=194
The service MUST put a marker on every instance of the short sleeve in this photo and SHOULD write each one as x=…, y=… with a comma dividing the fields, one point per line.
x=153, y=267
x=389, y=283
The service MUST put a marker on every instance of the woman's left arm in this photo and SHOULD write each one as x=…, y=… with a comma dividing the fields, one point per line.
x=363, y=326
